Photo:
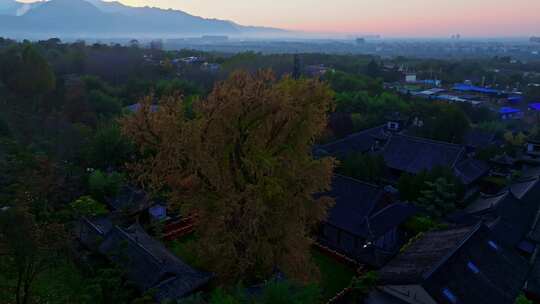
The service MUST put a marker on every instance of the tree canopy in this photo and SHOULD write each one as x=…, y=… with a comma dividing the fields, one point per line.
x=244, y=165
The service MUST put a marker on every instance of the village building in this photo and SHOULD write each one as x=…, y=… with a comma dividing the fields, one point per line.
x=412, y=155
x=477, y=138
x=459, y=265
x=147, y=263
x=364, y=222
x=369, y=140
x=507, y=113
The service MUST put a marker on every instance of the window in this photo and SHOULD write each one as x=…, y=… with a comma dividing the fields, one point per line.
x=473, y=268
x=493, y=245
x=449, y=295
x=393, y=125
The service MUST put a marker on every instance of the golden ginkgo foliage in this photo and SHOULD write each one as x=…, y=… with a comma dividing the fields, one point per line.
x=243, y=163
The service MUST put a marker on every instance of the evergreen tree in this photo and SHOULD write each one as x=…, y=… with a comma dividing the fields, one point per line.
x=439, y=198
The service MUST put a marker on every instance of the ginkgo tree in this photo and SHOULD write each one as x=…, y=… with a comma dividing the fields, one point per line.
x=243, y=163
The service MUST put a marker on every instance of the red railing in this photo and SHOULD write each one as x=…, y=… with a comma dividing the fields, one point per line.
x=179, y=228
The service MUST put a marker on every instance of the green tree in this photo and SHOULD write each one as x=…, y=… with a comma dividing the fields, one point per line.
x=364, y=167
x=27, y=249
x=439, y=198
x=411, y=186
x=104, y=105
x=532, y=93
x=449, y=123
x=421, y=224
x=26, y=72
x=522, y=299
x=108, y=148
x=4, y=129
x=283, y=292
x=103, y=185
x=363, y=285
x=344, y=82
x=373, y=70
x=87, y=206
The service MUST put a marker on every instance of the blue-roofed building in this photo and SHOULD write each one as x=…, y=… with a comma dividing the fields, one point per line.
x=506, y=113
x=474, y=89
x=515, y=99
x=535, y=106
x=138, y=106
x=364, y=222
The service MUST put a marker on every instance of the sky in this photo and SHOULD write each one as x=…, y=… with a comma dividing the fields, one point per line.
x=390, y=18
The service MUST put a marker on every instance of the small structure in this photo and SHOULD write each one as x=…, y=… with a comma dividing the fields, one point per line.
x=460, y=265
x=363, y=224
x=316, y=70
x=410, y=78
x=136, y=107
x=210, y=67
x=396, y=122
x=192, y=60
x=533, y=147
x=147, y=263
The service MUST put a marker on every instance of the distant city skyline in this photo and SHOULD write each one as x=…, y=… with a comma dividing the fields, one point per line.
x=390, y=18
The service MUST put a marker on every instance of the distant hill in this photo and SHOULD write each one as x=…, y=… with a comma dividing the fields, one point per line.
x=98, y=18
x=14, y=8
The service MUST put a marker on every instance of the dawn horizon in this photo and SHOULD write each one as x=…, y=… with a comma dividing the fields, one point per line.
x=414, y=18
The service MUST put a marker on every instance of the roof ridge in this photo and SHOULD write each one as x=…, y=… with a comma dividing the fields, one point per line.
x=351, y=135
x=96, y=227
x=126, y=234
x=358, y=181
x=455, y=163
x=388, y=207
x=453, y=251
x=532, y=180
x=423, y=139
x=500, y=194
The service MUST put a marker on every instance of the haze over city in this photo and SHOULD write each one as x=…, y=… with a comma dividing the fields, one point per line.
x=411, y=18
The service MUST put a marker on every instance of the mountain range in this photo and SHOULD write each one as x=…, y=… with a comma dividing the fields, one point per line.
x=98, y=18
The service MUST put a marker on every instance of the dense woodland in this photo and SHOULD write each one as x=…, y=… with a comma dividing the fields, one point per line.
x=233, y=146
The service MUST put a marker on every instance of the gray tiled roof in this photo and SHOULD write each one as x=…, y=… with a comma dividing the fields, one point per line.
x=360, y=142
x=479, y=138
x=470, y=170
x=150, y=265
x=414, y=154
x=469, y=261
x=354, y=202
x=486, y=203
x=423, y=256
x=130, y=199
x=146, y=261
x=361, y=210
